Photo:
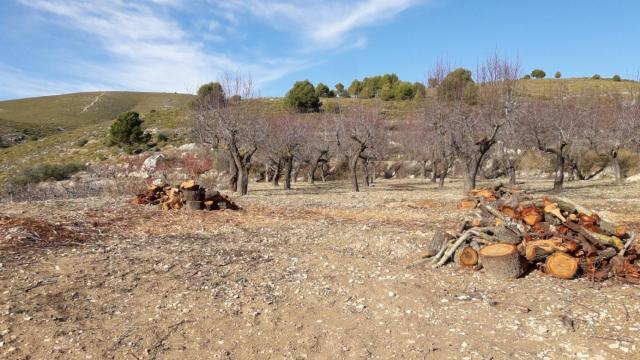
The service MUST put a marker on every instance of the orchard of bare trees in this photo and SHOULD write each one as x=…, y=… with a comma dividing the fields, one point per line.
x=470, y=124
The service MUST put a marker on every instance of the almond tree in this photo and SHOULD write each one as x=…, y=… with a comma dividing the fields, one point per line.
x=232, y=122
x=318, y=143
x=286, y=134
x=478, y=112
x=356, y=131
x=609, y=125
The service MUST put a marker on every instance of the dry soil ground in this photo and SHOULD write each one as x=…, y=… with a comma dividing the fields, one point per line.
x=316, y=272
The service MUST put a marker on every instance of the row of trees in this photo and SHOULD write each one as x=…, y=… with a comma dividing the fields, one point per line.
x=466, y=121
x=541, y=74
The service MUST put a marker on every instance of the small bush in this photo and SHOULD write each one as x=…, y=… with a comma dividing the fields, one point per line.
x=538, y=74
x=127, y=130
x=331, y=107
x=596, y=77
x=527, y=77
x=616, y=78
x=162, y=137
x=558, y=75
x=82, y=142
x=42, y=172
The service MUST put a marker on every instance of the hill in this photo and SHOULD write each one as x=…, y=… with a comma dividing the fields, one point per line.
x=43, y=116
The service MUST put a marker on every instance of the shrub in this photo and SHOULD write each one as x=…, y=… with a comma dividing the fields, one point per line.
x=303, y=98
x=196, y=166
x=527, y=77
x=162, y=137
x=538, y=74
x=596, y=77
x=42, y=172
x=81, y=142
x=458, y=85
x=127, y=130
x=212, y=88
x=558, y=75
x=616, y=78
x=331, y=107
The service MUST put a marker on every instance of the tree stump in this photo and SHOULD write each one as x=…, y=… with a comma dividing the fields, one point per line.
x=561, y=265
x=195, y=205
x=502, y=261
x=440, y=238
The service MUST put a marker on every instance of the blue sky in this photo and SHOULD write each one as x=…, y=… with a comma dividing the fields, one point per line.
x=58, y=46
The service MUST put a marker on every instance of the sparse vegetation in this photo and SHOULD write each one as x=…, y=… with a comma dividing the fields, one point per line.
x=43, y=172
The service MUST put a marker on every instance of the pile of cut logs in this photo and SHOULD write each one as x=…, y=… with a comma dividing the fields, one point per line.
x=188, y=195
x=512, y=232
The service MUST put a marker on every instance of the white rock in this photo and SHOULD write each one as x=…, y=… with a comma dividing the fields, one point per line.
x=151, y=163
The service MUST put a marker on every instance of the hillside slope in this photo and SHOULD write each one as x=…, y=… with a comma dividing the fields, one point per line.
x=42, y=116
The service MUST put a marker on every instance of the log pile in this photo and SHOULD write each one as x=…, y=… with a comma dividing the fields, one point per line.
x=512, y=231
x=187, y=195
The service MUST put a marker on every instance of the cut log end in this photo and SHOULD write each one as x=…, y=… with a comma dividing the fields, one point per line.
x=561, y=265
x=468, y=257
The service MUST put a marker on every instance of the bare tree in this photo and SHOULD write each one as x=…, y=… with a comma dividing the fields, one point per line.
x=232, y=122
x=356, y=132
x=318, y=143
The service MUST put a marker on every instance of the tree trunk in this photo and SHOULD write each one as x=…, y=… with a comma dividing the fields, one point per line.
x=443, y=175
x=311, y=172
x=322, y=173
x=244, y=179
x=276, y=174
x=288, y=169
x=353, y=165
x=434, y=173
x=373, y=173
x=294, y=173
x=365, y=169
x=470, y=174
x=511, y=170
x=233, y=174
x=615, y=164
x=558, y=181
x=424, y=169
x=267, y=169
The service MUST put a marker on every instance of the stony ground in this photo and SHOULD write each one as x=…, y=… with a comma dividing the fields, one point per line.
x=317, y=272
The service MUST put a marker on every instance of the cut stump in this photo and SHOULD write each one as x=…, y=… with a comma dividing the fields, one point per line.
x=502, y=261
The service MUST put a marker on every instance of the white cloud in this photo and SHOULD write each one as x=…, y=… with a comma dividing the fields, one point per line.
x=325, y=23
x=151, y=51
x=146, y=47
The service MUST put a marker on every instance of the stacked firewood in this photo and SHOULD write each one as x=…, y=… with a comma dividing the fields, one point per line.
x=512, y=231
x=187, y=195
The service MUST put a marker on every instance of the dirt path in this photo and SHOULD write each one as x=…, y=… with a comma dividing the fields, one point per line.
x=305, y=274
x=92, y=103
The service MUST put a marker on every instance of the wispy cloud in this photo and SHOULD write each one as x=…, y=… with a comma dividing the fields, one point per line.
x=150, y=50
x=146, y=47
x=325, y=23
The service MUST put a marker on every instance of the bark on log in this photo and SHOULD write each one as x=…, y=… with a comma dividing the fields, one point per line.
x=561, y=265
x=451, y=249
x=502, y=261
x=507, y=235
